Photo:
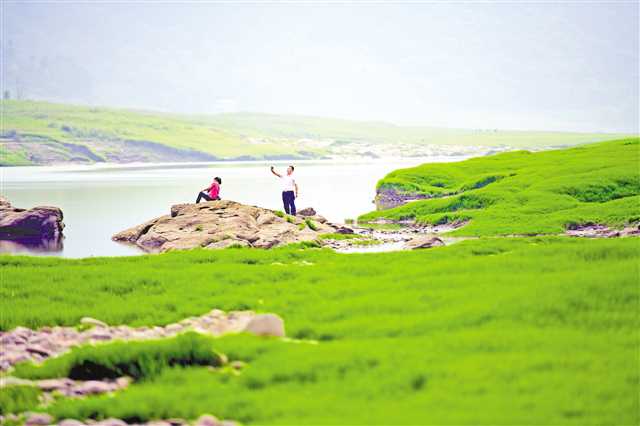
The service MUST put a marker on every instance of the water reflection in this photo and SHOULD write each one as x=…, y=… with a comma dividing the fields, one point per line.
x=32, y=244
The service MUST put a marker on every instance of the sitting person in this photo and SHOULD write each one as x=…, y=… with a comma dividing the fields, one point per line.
x=211, y=193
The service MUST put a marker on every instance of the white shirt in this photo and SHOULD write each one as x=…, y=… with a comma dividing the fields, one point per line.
x=288, y=184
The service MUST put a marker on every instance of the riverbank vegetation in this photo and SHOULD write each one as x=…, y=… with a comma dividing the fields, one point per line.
x=491, y=331
x=522, y=192
x=46, y=133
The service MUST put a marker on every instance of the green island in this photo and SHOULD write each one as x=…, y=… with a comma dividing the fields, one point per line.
x=520, y=192
x=42, y=133
x=527, y=329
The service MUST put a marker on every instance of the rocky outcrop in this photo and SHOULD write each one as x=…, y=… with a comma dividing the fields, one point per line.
x=68, y=387
x=595, y=230
x=221, y=224
x=42, y=419
x=38, y=223
x=388, y=198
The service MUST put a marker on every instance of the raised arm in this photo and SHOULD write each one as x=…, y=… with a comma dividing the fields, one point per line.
x=274, y=172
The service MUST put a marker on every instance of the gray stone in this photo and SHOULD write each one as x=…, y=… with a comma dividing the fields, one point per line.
x=266, y=325
x=424, y=241
x=344, y=230
x=34, y=419
x=309, y=211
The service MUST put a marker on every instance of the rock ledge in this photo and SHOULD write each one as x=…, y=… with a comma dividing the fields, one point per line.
x=224, y=223
x=43, y=223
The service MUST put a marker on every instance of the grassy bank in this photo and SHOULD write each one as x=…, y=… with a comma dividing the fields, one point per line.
x=522, y=192
x=43, y=133
x=48, y=123
x=490, y=331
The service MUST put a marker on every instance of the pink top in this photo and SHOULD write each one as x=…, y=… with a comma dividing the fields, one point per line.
x=214, y=191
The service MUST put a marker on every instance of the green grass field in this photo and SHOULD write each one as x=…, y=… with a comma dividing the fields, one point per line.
x=494, y=330
x=522, y=192
x=491, y=331
x=230, y=136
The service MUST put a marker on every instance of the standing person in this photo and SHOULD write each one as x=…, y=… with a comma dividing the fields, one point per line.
x=212, y=192
x=289, y=190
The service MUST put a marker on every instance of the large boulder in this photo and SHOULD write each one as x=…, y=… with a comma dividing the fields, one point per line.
x=266, y=325
x=221, y=224
x=44, y=223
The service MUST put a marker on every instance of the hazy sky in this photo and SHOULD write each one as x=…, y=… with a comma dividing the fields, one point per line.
x=567, y=66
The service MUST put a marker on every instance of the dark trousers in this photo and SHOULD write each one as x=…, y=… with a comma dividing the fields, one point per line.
x=205, y=196
x=288, y=199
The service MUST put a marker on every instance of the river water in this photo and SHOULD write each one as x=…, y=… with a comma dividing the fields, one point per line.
x=100, y=200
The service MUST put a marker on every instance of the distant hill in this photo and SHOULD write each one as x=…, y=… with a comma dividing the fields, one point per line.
x=39, y=133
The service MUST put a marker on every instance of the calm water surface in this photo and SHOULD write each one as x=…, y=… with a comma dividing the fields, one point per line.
x=98, y=201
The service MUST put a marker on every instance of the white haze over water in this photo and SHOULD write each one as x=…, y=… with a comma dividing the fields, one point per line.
x=567, y=66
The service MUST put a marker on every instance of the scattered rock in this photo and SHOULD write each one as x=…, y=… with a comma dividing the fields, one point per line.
x=594, y=230
x=38, y=350
x=424, y=241
x=92, y=387
x=34, y=419
x=204, y=420
x=100, y=334
x=266, y=325
x=49, y=385
x=22, y=344
x=344, y=230
x=70, y=422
